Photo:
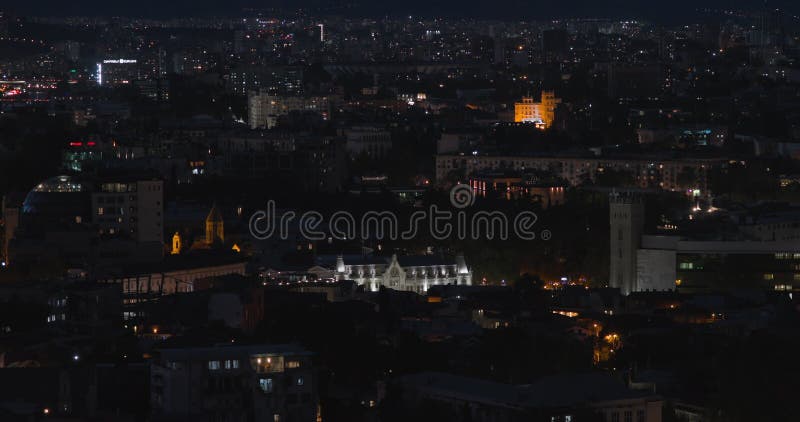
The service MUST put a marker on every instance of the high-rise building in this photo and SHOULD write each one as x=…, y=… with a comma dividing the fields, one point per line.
x=284, y=80
x=117, y=71
x=132, y=209
x=627, y=223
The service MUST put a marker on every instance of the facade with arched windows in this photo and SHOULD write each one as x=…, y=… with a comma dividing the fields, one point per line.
x=409, y=273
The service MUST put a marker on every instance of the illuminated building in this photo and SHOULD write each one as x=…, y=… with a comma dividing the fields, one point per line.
x=79, y=153
x=264, y=109
x=117, y=72
x=542, y=114
x=409, y=273
x=175, y=274
x=283, y=80
x=235, y=383
x=544, y=190
x=646, y=173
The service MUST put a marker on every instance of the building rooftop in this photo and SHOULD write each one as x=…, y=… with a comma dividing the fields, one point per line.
x=552, y=391
x=226, y=350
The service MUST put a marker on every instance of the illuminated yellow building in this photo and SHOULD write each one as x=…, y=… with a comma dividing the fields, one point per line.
x=542, y=113
x=176, y=244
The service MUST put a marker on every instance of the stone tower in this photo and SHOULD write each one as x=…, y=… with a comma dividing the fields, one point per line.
x=627, y=223
x=215, y=227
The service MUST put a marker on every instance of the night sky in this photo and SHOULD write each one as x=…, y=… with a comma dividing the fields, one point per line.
x=506, y=9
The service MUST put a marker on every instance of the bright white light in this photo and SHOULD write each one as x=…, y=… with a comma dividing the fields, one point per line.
x=75, y=358
x=99, y=73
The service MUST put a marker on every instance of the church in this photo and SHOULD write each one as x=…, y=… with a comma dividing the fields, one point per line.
x=212, y=237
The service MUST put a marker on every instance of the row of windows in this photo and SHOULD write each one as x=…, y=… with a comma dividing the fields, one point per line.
x=267, y=385
x=215, y=365
x=626, y=415
x=771, y=276
x=112, y=199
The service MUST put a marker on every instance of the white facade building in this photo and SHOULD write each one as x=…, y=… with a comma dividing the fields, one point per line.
x=409, y=273
x=264, y=109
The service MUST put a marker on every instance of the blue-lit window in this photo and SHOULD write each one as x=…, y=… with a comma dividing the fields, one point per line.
x=266, y=384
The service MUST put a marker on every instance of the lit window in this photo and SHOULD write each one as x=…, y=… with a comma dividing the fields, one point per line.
x=687, y=266
x=213, y=365
x=769, y=276
x=265, y=384
x=293, y=364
